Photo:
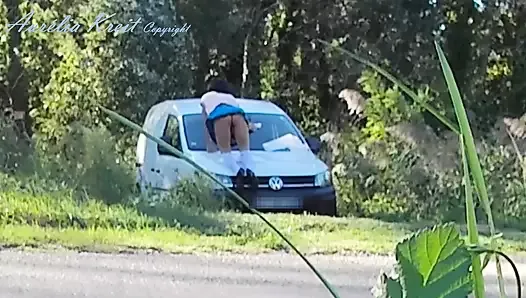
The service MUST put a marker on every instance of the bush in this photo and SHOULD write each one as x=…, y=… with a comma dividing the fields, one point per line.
x=85, y=162
x=391, y=179
x=92, y=165
x=191, y=203
x=390, y=185
x=506, y=185
x=396, y=167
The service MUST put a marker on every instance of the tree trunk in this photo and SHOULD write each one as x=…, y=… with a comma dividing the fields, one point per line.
x=16, y=79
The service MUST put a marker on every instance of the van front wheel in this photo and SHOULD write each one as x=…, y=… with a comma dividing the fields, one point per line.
x=327, y=208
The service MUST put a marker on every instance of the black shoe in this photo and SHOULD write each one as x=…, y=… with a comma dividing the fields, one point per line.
x=239, y=183
x=252, y=181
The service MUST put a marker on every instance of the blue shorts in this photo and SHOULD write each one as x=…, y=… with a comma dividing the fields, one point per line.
x=221, y=111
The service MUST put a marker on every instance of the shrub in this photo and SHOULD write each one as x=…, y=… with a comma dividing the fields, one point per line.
x=95, y=167
x=390, y=180
x=394, y=180
x=191, y=204
x=85, y=162
x=398, y=168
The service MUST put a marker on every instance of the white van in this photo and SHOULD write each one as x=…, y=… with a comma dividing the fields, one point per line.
x=291, y=176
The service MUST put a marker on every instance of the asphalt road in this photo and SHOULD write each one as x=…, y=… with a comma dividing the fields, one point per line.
x=70, y=274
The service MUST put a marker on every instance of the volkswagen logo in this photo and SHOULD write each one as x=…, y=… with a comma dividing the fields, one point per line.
x=275, y=183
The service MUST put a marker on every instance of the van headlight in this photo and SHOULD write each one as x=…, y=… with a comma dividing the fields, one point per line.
x=226, y=180
x=323, y=179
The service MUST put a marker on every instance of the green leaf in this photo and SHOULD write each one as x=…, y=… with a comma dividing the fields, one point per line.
x=394, y=288
x=388, y=284
x=435, y=263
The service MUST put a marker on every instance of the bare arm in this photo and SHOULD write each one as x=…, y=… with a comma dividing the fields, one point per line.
x=210, y=145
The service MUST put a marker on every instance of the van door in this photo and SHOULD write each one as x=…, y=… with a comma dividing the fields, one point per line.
x=170, y=167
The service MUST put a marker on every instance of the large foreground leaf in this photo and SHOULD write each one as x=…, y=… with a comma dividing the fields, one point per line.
x=435, y=263
x=394, y=288
x=388, y=284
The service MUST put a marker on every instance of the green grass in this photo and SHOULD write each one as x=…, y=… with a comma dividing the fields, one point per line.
x=178, y=241
x=56, y=220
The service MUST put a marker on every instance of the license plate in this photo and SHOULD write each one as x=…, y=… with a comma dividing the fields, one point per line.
x=279, y=203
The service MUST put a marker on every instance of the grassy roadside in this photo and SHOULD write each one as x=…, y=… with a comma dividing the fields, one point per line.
x=309, y=238
x=58, y=220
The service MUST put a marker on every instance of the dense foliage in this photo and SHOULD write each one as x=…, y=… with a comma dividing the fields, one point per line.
x=396, y=163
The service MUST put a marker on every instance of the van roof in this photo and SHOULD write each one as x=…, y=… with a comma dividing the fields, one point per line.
x=192, y=106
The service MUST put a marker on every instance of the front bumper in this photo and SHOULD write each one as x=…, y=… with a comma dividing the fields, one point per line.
x=320, y=200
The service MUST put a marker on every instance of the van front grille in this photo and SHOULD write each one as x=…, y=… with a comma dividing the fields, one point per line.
x=288, y=181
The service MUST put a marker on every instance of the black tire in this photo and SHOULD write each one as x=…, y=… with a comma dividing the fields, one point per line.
x=328, y=209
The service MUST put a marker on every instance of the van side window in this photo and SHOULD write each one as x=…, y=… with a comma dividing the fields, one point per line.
x=171, y=134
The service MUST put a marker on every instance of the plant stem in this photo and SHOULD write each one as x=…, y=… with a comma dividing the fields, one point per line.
x=471, y=220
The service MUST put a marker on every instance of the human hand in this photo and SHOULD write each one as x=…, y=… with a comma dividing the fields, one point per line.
x=253, y=126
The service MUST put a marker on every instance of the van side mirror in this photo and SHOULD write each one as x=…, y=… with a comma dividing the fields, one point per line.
x=162, y=150
x=314, y=144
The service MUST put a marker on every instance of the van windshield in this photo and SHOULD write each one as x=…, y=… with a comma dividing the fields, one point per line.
x=271, y=127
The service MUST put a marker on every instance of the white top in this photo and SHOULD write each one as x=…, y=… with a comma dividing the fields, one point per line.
x=210, y=100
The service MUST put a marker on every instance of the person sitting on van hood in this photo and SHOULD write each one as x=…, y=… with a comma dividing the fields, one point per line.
x=226, y=127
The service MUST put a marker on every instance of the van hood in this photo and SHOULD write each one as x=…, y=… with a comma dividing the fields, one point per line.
x=266, y=163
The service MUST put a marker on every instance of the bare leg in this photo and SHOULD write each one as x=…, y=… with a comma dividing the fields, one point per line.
x=241, y=132
x=222, y=129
